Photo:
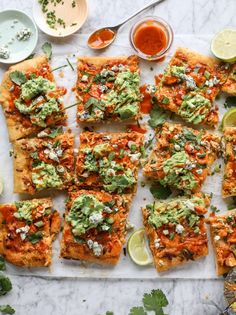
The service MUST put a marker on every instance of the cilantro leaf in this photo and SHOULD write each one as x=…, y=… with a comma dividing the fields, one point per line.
x=158, y=117
x=5, y=284
x=47, y=49
x=35, y=237
x=155, y=301
x=109, y=313
x=18, y=77
x=137, y=310
x=2, y=263
x=230, y=101
x=160, y=192
x=6, y=309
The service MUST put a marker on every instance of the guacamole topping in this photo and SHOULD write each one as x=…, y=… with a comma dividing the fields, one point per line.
x=177, y=173
x=43, y=111
x=45, y=176
x=173, y=211
x=126, y=96
x=34, y=87
x=87, y=213
x=24, y=210
x=194, y=108
x=177, y=71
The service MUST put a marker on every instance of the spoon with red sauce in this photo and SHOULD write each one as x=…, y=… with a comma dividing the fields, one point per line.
x=103, y=37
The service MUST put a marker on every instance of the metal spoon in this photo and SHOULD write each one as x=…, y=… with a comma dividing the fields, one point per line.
x=114, y=29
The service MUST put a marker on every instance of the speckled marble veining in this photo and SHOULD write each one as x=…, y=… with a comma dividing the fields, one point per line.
x=38, y=296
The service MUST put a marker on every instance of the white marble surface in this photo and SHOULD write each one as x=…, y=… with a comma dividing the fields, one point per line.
x=93, y=297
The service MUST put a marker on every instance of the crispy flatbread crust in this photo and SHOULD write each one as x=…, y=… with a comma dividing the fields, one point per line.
x=229, y=178
x=22, y=163
x=70, y=249
x=230, y=85
x=28, y=254
x=220, y=270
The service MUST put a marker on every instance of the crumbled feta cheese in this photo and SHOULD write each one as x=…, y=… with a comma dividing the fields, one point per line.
x=23, y=231
x=83, y=116
x=24, y=34
x=157, y=243
x=84, y=78
x=189, y=204
x=105, y=73
x=179, y=228
x=199, y=171
x=95, y=247
x=121, y=67
x=4, y=52
x=60, y=169
x=107, y=209
x=103, y=88
x=151, y=88
x=217, y=238
x=129, y=226
x=212, y=82
x=106, y=138
x=134, y=157
x=95, y=218
x=130, y=144
x=191, y=84
x=105, y=227
x=115, y=68
x=165, y=232
x=177, y=147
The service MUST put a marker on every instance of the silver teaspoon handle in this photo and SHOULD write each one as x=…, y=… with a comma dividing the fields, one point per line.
x=152, y=4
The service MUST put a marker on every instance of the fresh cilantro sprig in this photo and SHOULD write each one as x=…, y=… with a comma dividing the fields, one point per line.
x=160, y=192
x=154, y=301
x=7, y=309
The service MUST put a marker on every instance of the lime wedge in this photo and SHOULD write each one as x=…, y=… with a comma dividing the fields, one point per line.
x=1, y=185
x=138, y=248
x=229, y=119
x=223, y=45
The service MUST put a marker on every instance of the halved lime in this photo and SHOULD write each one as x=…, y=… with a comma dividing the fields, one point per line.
x=223, y=45
x=229, y=119
x=138, y=248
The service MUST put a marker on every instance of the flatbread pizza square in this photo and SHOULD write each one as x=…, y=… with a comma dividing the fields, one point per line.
x=182, y=157
x=109, y=161
x=223, y=237
x=176, y=231
x=30, y=98
x=94, y=228
x=43, y=162
x=189, y=86
x=27, y=229
x=107, y=89
x=230, y=85
x=229, y=179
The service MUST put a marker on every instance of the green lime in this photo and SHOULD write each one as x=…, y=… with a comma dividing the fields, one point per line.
x=223, y=45
x=229, y=119
x=138, y=248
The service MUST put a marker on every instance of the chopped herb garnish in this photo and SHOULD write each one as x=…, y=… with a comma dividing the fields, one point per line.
x=64, y=66
x=18, y=77
x=69, y=63
x=35, y=237
x=165, y=100
x=47, y=49
x=5, y=284
x=160, y=192
x=2, y=263
x=6, y=309
x=214, y=209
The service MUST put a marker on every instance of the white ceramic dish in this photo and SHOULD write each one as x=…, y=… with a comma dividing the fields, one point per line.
x=11, y=22
x=74, y=17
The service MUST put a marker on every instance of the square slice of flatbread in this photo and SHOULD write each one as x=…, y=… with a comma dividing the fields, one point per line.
x=30, y=98
x=94, y=227
x=176, y=231
x=27, y=229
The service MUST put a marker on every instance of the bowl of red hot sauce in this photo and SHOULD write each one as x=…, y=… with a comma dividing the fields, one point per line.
x=151, y=38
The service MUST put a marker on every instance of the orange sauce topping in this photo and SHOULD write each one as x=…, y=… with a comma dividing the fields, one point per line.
x=101, y=38
x=145, y=105
x=150, y=38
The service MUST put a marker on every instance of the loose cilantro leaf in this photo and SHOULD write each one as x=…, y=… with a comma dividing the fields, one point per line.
x=30, y=57
x=155, y=301
x=6, y=309
x=47, y=49
x=35, y=237
x=160, y=192
x=18, y=77
x=230, y=101
x=158, y=117
x=5, y=284
x=137, y=310
x=51, y=132
x=2, y=263
x=231, y=207
x=109, y=313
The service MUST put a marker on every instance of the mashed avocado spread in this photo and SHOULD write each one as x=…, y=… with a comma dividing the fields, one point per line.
x=45, y=176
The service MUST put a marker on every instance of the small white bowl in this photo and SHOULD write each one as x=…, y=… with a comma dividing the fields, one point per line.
x=80, y=18
x=11, y=22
